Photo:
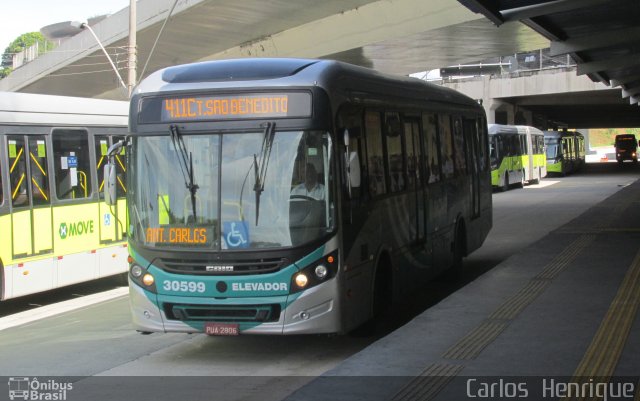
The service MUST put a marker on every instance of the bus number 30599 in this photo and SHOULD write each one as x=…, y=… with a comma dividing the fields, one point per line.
x=184, y=286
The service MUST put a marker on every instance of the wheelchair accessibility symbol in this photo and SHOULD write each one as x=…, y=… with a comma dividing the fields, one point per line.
x=236, y=234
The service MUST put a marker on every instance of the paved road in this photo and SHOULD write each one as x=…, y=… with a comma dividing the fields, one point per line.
x=99, y=340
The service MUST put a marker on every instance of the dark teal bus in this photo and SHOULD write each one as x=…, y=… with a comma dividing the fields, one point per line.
x=288, y=196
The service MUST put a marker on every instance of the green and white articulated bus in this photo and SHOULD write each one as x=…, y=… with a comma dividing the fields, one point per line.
x=54, y=228
x=565, y=151
x=517, y=155
x=288, y=196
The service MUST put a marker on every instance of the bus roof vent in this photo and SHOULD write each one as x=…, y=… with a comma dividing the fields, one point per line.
x=235, y=70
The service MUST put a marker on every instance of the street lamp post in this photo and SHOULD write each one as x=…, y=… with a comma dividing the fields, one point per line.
x=84, y=25
x=132, y=47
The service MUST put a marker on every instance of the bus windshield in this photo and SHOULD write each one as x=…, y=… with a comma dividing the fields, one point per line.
x=552, y=150
x=247, y=197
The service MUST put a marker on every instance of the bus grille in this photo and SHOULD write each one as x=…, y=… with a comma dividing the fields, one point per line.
x=221, y=268
x=223, y=313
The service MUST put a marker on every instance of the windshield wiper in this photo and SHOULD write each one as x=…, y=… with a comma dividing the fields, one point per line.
x=186, y=165
x=260, y=167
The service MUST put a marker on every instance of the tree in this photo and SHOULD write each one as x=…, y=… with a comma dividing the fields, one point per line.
x=19, y=44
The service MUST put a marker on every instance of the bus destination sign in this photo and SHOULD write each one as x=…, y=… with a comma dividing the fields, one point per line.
x=226, y=107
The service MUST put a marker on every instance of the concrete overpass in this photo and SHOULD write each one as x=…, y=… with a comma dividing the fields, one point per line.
x=396, y=36
x=550, y=98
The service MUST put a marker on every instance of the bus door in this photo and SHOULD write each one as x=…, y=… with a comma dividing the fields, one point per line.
x=111, y=219
x=31, y=219
x=415, y=176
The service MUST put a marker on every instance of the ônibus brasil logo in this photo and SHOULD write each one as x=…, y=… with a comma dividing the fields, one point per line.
x=25, y=388
x=75, y=229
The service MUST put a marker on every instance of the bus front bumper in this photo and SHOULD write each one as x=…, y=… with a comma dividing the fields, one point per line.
x=312, y=311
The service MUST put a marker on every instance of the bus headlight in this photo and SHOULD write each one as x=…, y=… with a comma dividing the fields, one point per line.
x=321, y=271
x=315, y=273
x=148, y=280
x=136, y=271
x=301, y=280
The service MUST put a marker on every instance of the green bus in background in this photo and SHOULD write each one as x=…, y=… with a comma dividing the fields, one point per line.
x=517, y=155
x=565, y=151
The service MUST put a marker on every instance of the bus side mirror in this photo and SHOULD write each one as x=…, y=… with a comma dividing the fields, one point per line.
x=110, y=184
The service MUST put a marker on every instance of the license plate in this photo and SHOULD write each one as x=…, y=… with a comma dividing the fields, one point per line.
x=221, y=329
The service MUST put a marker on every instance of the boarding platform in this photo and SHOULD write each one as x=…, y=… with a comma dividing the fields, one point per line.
x=558, y=320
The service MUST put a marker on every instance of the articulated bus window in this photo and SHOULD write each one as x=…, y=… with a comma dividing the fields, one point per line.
x=39, y=171
x=446, y=145
x=71, y=163
x=375, y=163
x=121, y=170
x=102, y=144
x=18, y=171
x=430, y=133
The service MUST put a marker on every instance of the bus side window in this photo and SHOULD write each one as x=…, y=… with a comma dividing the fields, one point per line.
x=39, y=171
x=414, y=154
x=446, y=145
x=102, y=144
x=375, y=161
x=430, y=134
x=459, y=150
x=71, y=163
x=395, y=160
x=18, y=171
x=121, y=170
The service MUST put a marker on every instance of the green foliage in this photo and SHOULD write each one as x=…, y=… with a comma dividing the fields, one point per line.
x=606, y=136
x=19, y=44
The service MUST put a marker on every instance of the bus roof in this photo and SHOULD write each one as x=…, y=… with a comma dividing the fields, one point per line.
x=512, y=129
x=561, y=134
x=333, y=76
x=30, y=108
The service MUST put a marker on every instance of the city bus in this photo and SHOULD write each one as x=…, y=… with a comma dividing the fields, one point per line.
x=565, y=151
x=293, y=196
x=517, y=155
x=626, y=148
x=54, y=228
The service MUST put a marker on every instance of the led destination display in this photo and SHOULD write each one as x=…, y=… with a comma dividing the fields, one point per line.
x=226, y=107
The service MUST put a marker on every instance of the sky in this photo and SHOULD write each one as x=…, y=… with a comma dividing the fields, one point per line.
x=22, y=16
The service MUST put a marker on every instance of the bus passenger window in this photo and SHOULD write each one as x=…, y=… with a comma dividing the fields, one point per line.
x=446, y=145
x=18, y=172
x=414, y=154
x=375, y=162
x=458, y=139
x=102, y=144
x=394, y=152
x=39, y=171
x=430, y=134
x=71, y=163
